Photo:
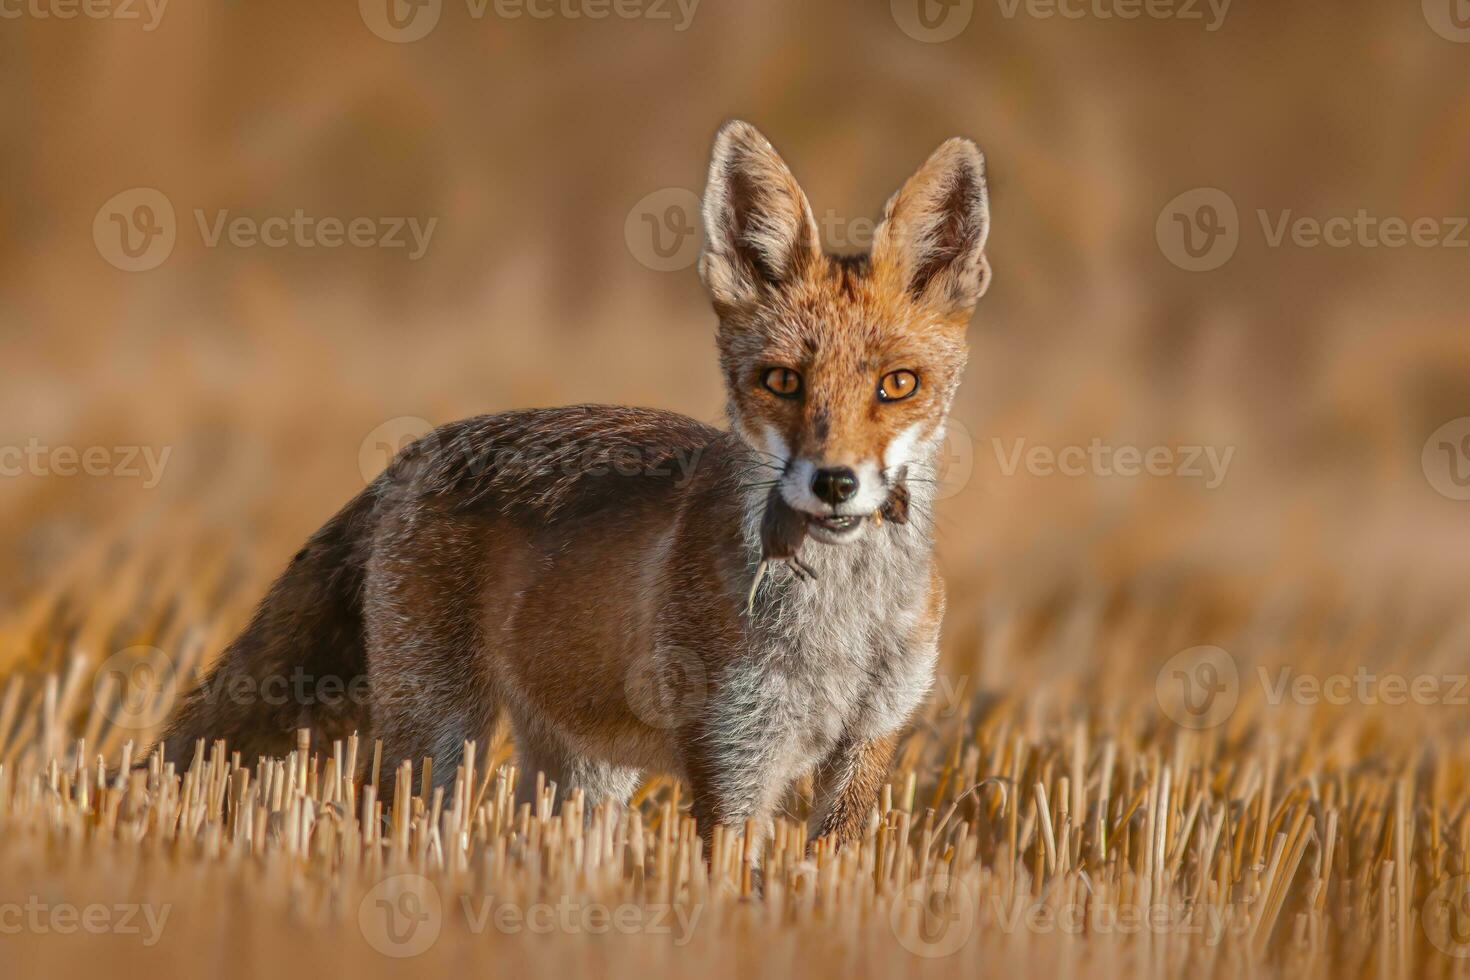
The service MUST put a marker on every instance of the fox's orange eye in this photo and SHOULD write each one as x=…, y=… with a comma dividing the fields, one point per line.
x=782, y=381
x=898, y=385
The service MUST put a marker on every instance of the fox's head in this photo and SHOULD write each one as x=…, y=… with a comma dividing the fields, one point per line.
x=841, y=370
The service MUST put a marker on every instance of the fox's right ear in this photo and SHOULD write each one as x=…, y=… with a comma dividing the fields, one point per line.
x=758, y=227
x=931, y=242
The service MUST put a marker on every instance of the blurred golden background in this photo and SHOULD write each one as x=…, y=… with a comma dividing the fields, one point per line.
x=1231, y=233
x=538, y=153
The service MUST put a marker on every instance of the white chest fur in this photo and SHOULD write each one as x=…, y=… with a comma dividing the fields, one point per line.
x=841, y=656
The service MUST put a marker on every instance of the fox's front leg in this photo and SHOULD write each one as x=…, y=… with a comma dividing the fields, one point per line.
x=848, y=782
x=732, y=756
x=849, y=779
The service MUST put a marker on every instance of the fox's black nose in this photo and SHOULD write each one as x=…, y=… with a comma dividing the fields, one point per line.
x=835, y=485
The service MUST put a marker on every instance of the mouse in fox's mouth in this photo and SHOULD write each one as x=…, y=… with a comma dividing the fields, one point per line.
x=784, y=529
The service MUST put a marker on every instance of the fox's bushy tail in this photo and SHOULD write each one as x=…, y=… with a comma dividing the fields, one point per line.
x=300, y=663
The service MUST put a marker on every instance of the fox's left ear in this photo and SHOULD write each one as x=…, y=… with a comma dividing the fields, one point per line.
x=931, y=241
x=759, y=231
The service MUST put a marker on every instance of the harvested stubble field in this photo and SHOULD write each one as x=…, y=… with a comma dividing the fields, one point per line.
x=1094, y=815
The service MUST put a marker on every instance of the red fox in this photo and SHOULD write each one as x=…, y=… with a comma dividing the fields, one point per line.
x=534, y=564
